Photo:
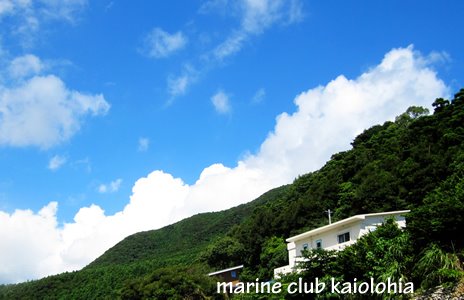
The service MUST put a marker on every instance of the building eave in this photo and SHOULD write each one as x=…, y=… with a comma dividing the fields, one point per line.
x=340, y=223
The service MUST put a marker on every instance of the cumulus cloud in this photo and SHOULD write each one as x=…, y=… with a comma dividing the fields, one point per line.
x=56, y=162
x=144, y=143
x=30, y=244
x=37, y=109
x=111, y=187
x=41, y=111
x=25, y=65
x=221, y=103
x=160, y=44
x=325, y=121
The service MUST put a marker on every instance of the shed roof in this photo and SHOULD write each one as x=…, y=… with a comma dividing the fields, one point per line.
x=225, y=270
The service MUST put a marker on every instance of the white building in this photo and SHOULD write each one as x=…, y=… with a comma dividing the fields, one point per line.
x=335, y=236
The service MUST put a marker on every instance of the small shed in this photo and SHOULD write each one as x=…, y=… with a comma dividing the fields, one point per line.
x=229, y=274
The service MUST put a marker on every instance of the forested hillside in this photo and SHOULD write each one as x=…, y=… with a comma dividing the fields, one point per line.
x=176, y=247
x=392, y=166
x=183, y=241
x=415, y=162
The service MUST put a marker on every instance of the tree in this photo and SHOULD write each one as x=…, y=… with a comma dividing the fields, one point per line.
x=172, y=283
x=383, y=253
x=273, y=255
x=412, y=113
x=441, y=218
x=224, y=253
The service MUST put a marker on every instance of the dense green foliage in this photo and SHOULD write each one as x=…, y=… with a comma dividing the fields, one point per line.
x=183, y=241
x=172, y=283
x=384, y=253
x=415, y=162
x=224, y=253
x=411, y=163
x=441, y=217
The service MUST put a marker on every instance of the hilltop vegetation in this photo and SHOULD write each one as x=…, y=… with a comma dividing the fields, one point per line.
x=180, y=242
x=415, y=162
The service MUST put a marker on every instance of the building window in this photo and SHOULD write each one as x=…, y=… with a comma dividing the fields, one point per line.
x=233, y=274
x=344, y=237
x=319, y=244
x=305, y=246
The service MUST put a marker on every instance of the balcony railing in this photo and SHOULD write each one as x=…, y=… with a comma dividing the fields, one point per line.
x=278, y=272
x=341, y=246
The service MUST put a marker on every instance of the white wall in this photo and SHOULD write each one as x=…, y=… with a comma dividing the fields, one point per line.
x=371, y=223
x=329, y=238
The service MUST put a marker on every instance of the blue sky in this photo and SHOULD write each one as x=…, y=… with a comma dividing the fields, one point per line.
x=122, y=116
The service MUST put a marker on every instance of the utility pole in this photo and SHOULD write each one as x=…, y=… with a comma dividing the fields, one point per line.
x=330, y=217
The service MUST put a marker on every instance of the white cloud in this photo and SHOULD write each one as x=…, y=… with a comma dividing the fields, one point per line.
x=260, y=14
x=255, y=17
x=214, y=6
x=178, y=85
x=259, y=96
x=231, y=45
x=111, y=187
x=221, y=102
x=64, y=9
x=25, y=66
x=56, y=162
x=27, y=17
x=43, y=112
x=160, y=44
x=295, y=12
x=6, y=7
x=33, y=237
x=325, y=121
x=144, y=143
